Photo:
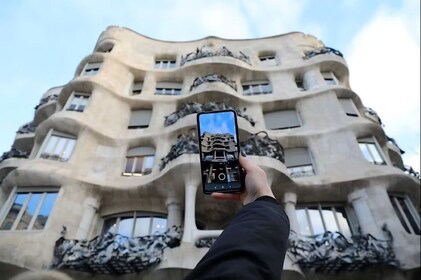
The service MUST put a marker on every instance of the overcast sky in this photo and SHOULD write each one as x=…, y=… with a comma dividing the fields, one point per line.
x=44, y=40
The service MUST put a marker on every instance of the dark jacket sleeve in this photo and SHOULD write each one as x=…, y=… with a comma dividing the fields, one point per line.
x=253, y=246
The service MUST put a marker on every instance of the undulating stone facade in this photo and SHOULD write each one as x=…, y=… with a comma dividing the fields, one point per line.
x=105, y=179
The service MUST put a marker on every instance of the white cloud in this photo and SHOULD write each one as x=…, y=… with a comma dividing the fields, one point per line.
x=384, y=63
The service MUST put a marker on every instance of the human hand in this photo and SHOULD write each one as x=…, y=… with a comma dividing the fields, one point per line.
x=256, y=184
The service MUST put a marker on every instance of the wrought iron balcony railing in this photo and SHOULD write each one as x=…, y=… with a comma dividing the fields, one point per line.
x=113, y=253
x=324, y=50
x=212, y=78
x=408, y=170
x=46, y=99
x=256, y=144
x=200, y=53
x=192, y=107
x=14, y=153
x=333, y=252
x=373, y=113
x=393, y=141
x=26, y=128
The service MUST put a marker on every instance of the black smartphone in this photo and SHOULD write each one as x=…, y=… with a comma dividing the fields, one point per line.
x=219, y=152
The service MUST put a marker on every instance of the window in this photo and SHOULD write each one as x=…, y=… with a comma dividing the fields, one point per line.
x=298, y=162
x=330, y=78
x=29, y=210
x=137, y=88
x=140, y=119
x=370, y=150
x=135, y=224
x=59, y=146
x=139, y=161
x=282, y=119
x=91, y=68
x=317, y=219
x=165, y=63
x=300, y=84
x=406, y=213
x=256, y=88
x=348, y=107
x=268, y=60
x=77, y=102
x=167, y=88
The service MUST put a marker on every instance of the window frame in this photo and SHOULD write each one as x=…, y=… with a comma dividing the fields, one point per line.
x=134, y=216
x=330, y=76
x=302, y=174
x=365, y=141
x=59, y=135
x=299, y=83
x=135, y=165
x=134, y=124
x=352, y=104
x=91, y=68
x=251, y=85
x=403, y=218
x=285, y=111
x=165, y=63
x=268, y=59
x=168, y=88
x=137, y=88
x=350, y=217
x=5, y=209
x=79, y=102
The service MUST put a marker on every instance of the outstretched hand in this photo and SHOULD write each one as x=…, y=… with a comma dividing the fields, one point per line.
x=256, y=184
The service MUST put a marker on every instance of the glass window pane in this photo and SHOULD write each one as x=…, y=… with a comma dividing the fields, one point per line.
x=139, y=164
x=125, y=226
x=316, y=221
x=375, y=153
x=51, y=144
x=159, y=225
x=329, y=219
x=366, y=153
x=399, y=214
x=142, y=226
x=343, y=221
x=14, y=211
x=29, y=211
x=148, y=164
x=302, y=221
x=68, y=149
x=45, y=210
x=409, y=216
x=60, y=146
x=129, y=165
x=110, y=225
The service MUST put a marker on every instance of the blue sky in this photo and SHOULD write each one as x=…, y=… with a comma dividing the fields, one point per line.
x=43, y=41
x=220, y=123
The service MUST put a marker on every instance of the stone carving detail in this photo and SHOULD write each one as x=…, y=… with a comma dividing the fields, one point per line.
x=15, y=153
x=205, y=242
x=211, y=78
x=323, y=50
x=408, y=170
x=201, y=53
x=263, y=146
x=185, y=144
x=112, y=253
x=26, y=128
x=192, y=107
x=373, y=113
x=46, y=99
x=332, y=252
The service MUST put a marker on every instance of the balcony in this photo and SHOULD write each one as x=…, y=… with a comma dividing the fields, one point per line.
x=24, y=140
x=213, y=78
x=14, y=153
x=373, y=116
x=47, y=105
x=114, y=254
x=407, y=170
x=201, y=53
x=324, y=50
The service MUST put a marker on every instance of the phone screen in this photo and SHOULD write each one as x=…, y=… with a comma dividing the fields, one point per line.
x=219, y=152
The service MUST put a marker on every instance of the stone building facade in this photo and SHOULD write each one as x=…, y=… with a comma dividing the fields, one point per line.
x=105, y=179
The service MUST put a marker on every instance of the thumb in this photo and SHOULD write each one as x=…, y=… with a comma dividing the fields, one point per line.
x=247, y=164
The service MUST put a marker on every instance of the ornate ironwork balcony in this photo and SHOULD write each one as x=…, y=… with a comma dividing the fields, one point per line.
x=113, y=253
x=408, y=170
x=324, y=50
x=14, y=153
x=211, y=78
x=192, y=107
x=185, y=144
x=332, y=252
x=260, y=145
x=373, y=113
x=256, y=144
x=393, y=141
x=46, y=99
x=200, y=53
x=26, y=128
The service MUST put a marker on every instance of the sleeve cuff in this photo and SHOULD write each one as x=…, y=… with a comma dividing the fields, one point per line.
x=268, y=199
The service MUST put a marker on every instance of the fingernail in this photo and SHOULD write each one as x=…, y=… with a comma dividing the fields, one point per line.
x=243, y=154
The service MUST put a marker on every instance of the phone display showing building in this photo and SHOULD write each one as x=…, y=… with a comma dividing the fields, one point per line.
x=105, y=180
